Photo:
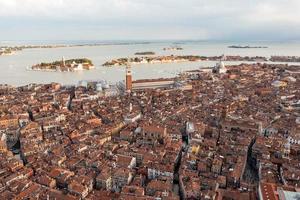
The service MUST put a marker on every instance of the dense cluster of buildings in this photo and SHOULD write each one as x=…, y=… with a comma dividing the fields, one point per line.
x=232, y=135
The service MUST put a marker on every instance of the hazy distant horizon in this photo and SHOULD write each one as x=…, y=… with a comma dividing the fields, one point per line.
x=140, y=41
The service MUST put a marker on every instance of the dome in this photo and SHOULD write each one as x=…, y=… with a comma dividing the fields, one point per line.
x=298, y=120
x=99, y=87
x=222, y=67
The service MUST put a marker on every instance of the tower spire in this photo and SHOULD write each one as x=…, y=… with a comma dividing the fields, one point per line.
x=63, y=61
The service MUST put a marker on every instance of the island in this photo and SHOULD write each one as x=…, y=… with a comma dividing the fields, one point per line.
x=246, y=47
x=197, y=58
x=65, y=65
x=144, y=53
x=173, y=49
x=8, y=50
x=285, y=59
x=152, y=60
x=180, y=58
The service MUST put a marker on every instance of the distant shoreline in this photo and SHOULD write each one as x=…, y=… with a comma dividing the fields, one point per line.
x=197, y=58
x=57, y=45
x=14, y=48
x=247, y=47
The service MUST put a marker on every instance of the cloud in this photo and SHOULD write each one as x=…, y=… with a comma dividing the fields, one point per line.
x=161, y=19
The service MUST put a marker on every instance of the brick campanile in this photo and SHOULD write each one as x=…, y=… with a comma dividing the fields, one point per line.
x=128, y=78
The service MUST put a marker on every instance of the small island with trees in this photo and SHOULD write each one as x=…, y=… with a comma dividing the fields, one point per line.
x=65, y=65
x=144, y=53
x=173, y=48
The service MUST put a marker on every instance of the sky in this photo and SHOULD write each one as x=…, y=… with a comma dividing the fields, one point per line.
x=276, y=20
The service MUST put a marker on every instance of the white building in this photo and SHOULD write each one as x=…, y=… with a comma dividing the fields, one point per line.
x=132, y=117
x=220, y=68
x=156, y=170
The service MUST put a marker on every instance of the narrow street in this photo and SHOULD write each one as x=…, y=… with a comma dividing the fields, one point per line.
x=251, y=173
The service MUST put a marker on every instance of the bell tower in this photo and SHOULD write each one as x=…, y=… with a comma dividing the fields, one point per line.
x=286, y=149
x=63, y=62
x=128, y=78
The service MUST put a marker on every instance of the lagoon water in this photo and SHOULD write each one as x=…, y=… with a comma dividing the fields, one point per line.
x=13, y=68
